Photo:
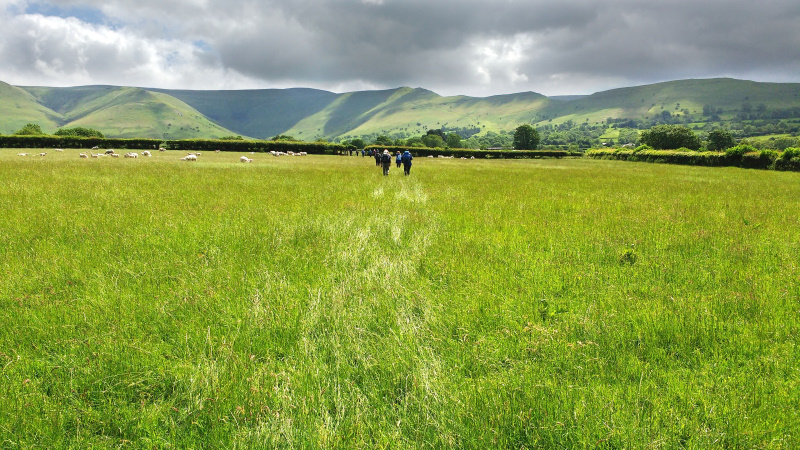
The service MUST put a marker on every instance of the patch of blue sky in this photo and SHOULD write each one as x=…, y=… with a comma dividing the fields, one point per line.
x=82, y=13
x=202, y=45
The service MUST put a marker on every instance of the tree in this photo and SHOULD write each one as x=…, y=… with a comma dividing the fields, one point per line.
x=526, y=138
x=283, y=137
x=719, y=140
x=79, y=131
x=30, y=129
x=415, y=141
x=433, y=141
x=383, y=140
x=453, y=140
x=358, y=143
x=666, y=137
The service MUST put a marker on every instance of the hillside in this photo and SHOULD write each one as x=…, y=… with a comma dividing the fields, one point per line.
x=126, y=112
x=18, y=107
x=310, y=114
x=255, y=113
x=649, y=100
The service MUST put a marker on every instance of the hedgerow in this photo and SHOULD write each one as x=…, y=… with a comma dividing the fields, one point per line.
x=45, y=141
x=743, y=156
x=152, y=144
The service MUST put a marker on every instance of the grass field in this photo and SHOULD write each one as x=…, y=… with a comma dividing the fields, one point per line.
x=312, y=302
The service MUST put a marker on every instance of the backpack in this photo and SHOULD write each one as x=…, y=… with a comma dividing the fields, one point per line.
x=387, y=158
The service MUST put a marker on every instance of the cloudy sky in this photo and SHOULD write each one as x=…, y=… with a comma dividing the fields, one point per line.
x=453, y=47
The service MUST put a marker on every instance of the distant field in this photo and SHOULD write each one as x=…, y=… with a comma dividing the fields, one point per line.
x=312, y=302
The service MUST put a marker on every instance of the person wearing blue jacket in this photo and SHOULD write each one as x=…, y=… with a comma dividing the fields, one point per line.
x=397, y=159
x=406, y=160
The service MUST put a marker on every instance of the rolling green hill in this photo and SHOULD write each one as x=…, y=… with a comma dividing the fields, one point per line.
x=310, y=114
x=126, y=112
x=256, y=113
x=18, y=107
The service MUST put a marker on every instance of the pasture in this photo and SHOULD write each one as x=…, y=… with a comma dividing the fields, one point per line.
x=311, y=302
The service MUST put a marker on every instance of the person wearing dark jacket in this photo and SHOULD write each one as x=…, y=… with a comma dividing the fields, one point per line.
x=377, y=155
x=386, y=161
x=406, y=160
x=397, y=158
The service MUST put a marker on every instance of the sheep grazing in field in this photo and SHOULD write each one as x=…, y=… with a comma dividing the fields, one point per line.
x=189, y=157
x=96, y=147
x=115, y=155
x=131, y=155
x=59, y=149
x=84, y=155
x=110, y=151
x=245, y=159
x=23, y=154
x=162, y=149
x=95, y=155
x=217, y=151
x=146, y=153
x=430, y=156
x=43, y=154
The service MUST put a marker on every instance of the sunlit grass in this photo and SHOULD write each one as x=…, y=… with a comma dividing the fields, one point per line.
x=312, y=302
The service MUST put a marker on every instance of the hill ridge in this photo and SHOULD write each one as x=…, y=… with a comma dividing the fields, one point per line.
x=311, y=114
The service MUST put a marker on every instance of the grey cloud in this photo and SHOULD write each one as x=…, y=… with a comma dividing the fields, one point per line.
x=471, y=46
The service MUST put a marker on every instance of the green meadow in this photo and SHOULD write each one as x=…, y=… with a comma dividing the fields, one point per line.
x=310, y=302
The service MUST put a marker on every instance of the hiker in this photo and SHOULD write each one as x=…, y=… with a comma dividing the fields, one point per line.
x=397, y=158
x=377, y=155
x=406, y=160
x=386, y=161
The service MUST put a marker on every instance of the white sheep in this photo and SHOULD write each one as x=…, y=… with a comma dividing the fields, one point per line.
x=146, y=153
x=115, y=155
x=189, y=158
x=23, y=154
x=162, y=149
x=245, y=159
x=43, y=154
x=84, y=155
x=59, y=150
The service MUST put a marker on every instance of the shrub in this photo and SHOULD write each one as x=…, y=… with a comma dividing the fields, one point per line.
x=720, y=140
x=80, y=132
x=666, y=137
x=739, y=150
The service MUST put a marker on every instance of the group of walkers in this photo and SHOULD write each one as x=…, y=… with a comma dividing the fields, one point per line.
x=384, y=160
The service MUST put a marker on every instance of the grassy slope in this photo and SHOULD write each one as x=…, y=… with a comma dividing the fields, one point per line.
x=385, y=112
x=153, y=302
x=128, y=112
x=18, y=107
x=310, y=114
x=256, y=113
x=508, y=111
x=650, y=100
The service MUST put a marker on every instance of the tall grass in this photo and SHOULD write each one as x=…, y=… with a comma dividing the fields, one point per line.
x=312, y=302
